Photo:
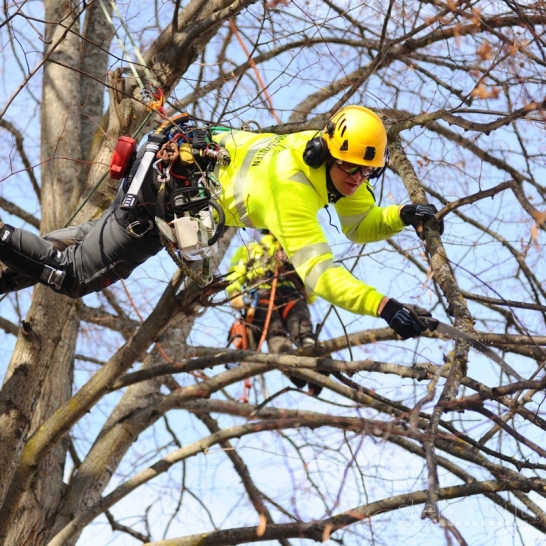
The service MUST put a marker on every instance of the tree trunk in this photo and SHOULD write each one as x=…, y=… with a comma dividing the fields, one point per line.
x=40, y=502
x=47, y=350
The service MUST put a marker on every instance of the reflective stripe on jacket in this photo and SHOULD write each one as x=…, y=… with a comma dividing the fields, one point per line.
x=268, y=185
x=253, y=266
x=251, y=263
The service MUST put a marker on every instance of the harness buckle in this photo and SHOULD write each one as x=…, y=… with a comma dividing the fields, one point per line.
x=53, y=277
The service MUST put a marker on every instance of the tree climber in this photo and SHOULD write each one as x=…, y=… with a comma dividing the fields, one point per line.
x=251, y=276
x=267, y=181
x=280, y=182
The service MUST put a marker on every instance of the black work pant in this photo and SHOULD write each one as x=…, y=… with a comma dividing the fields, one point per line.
x=290, y=315
x=93, y=255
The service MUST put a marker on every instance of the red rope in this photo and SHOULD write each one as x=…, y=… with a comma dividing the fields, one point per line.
x=248, y=382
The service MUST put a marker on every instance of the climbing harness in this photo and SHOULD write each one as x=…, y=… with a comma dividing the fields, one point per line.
x=238, y=334
x=171, y=186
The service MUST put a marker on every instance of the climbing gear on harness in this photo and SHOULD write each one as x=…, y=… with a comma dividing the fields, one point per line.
x=152, y=95
x=122, y=157
x=130, y=229
x=152, y=146
x=194, y=228
x=357, y=135
x=171, y=186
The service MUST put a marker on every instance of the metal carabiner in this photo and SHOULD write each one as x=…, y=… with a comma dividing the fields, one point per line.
x=162, y=176
x=130, y=228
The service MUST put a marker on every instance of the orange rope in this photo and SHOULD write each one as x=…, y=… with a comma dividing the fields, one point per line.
x=167, y=358
x=287, y=308
x=256, y=71
x=248, y=382
x=269, y=311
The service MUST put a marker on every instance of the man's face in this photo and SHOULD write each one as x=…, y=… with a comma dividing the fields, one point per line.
x=348, y=177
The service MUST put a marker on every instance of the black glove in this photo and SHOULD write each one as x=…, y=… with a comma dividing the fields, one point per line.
x=404, y=319
x=416, y=215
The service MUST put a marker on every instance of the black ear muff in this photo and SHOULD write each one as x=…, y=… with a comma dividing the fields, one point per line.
x=316, y=152
x=376, y=173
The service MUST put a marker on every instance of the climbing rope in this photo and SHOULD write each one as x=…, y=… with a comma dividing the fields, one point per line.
x=248, y=383
x=152, y=95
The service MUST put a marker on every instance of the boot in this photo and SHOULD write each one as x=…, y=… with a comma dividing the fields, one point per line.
x=300, y=383
x=280, y=345
x=18, y=251
x=308, y=342
x=8, y=280
x=12, y=281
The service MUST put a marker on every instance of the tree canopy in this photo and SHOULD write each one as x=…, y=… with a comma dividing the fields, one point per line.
x=121, y=413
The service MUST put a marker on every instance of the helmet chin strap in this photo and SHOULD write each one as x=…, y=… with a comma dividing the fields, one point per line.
x=334, y=194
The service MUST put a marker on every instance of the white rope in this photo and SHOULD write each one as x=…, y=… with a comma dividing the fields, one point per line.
x=140, y=58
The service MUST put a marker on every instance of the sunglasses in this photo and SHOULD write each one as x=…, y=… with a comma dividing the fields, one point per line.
x=351, y=168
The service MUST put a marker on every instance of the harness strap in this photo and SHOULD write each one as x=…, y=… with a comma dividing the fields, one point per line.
x=16, y=258
x=238, y=335
x=287, y=308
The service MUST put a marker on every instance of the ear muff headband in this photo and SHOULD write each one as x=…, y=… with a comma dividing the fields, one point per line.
x=316, y=152
x=376, y=173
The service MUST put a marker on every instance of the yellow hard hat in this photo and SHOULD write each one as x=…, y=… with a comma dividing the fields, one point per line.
x=357, y=135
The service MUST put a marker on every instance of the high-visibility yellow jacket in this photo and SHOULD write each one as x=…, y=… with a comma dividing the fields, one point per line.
x=251, y=263
x=268, y=185
x=253, y=266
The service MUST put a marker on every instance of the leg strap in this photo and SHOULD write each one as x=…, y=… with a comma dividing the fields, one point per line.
x=52, y=277
x=16, y=258
x=287, y=308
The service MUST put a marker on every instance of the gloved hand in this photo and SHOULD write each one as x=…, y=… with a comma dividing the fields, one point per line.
x=404, y=319
x=416, y=215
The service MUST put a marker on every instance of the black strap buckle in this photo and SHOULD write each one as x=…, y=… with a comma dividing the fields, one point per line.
x=53, y=277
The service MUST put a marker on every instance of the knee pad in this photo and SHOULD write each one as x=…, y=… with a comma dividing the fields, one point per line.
x=16, y=258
